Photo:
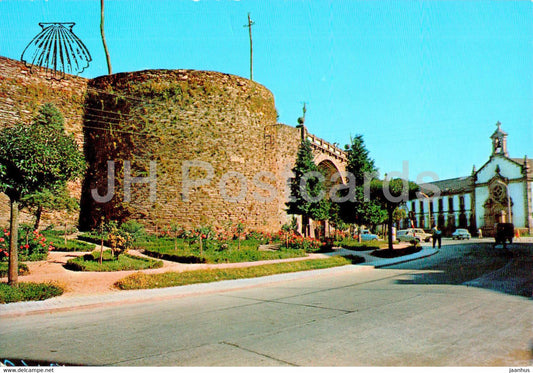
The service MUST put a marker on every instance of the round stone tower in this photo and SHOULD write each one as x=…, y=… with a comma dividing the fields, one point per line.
x=180, y=147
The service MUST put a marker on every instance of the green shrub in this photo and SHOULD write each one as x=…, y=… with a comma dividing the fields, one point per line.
x=27, y=291
x=32, y=245
x=23, y=269
x=133, y=230
x=125, y=262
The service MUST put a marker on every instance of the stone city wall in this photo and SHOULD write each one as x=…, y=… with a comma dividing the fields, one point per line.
x=22, y=92
x=225, y=125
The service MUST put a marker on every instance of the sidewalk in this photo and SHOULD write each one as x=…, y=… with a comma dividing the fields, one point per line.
x=76, y=302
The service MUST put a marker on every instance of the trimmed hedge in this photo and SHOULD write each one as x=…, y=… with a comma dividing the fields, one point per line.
x=28, y=291
x=58, y=238
x=125, y=262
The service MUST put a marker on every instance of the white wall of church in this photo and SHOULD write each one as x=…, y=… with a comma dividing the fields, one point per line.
x=516, y=190
x=482, y=194
x=508, y=169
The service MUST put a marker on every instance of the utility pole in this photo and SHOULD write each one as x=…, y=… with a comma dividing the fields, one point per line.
x=108, y=59
x=249, y=25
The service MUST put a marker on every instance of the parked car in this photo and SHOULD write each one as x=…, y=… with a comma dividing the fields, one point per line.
x=504, y=232
x=367, y=236
x=422, y=234
x=461, y=234
x=412, y=235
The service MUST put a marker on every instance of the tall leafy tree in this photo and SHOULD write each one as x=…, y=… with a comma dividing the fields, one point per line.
x=391, y=194
x=33, y=158
x=358, y=209
x=308, y=192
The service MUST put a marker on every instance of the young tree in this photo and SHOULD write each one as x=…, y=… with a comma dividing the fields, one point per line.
x=308, y=193
x=33, y=158
x=357, y=209
x=58, y=199
x=399, y=214
x=390, y=194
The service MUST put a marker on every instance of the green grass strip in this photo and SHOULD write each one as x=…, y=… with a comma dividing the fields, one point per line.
x=125, y=262
x=23, y=269
x=27, y=291
x=58, y=240
x=168, y=279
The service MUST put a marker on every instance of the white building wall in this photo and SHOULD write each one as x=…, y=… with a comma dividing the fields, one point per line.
x=482, y=194
x=456, y=204
x=516, y=190
x=468, y=201
x=508, y=169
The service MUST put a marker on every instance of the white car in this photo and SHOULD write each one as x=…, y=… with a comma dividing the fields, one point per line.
x=413, y=234
x=461, y=234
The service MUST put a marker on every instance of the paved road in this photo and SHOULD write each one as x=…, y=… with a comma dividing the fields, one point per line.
x=404, y=315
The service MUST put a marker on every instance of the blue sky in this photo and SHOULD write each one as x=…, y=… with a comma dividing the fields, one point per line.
x=423, y=81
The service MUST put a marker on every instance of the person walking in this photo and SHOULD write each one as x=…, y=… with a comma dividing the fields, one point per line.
x=437, y=236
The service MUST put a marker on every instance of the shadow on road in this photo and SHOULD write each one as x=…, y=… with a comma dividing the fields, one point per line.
x=478, y=264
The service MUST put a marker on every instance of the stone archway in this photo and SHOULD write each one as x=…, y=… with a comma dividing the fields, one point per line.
x=329, y=169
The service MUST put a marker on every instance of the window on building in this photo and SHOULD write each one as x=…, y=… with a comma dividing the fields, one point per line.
x=413, y=206
x=462, y=203
x=431, y=207
x=450, y=204
x=441, y=205
x=421, y=207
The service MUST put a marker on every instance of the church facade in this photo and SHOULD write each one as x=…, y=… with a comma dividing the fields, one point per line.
x=500, y=191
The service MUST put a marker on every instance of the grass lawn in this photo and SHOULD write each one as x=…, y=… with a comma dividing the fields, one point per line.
x=125, y=262
x=213, y=251
x=23, y=269
x=58, y=240
x=161, y=280
x=27, y=291
x=353, y=244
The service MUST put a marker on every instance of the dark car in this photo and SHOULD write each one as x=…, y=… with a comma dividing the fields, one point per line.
x=504, y=233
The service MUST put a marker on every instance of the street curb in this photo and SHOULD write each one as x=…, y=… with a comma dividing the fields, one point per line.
x=408, y=258
x=124, y=297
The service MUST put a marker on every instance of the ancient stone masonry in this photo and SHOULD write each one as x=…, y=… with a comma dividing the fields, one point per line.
x=170, y=146
x=22, y=92
x=214, y=121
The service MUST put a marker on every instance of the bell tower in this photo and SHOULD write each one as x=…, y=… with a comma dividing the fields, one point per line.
x=499, y=141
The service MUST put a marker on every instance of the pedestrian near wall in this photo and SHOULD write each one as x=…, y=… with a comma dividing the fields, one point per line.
x=437, y=236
